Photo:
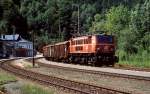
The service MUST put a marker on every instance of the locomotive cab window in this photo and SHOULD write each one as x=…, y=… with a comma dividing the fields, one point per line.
x=79, y=42
x=87, y=41
x=105, y=39
x=72, y=42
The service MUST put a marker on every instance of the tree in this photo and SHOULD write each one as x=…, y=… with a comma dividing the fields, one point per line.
x=87, y=13
x=140, y=25
x=117, y=18
x=98, y=25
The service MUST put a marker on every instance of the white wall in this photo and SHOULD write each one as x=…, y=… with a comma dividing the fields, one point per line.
x=26, y=45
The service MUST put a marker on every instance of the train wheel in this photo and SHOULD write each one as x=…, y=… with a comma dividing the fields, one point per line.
x=66, y=61
x=86, y=61
x=93, y=64
x=112, y=64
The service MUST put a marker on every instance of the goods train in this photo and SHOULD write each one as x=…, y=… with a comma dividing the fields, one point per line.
x=91, y=49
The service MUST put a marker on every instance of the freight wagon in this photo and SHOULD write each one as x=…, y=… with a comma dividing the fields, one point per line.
x=93, y=49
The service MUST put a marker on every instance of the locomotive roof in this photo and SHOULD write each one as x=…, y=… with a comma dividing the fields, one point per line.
x=79, y=38
x=86, y=36
x=61, y=43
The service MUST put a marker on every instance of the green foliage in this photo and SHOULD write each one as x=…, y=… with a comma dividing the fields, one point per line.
x=122, y=55
x=4, y=78
x=32, y=89
x=46, y=16
x=98, y=25
x=11, y=21
x=86, y=16
x=8, y=12
x=140, y=25
x=131, y=27
x=57, y=20
x=137, y=44
x=138, y=60
x=117, y=18
x=3, y=26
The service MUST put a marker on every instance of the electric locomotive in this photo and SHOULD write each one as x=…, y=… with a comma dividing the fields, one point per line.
x=91, y=49
x=94, y=49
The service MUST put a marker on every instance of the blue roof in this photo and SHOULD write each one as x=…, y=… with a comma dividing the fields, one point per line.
x=24, y=41
x=10, y=37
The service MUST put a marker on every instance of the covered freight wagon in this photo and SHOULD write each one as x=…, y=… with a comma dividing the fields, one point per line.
x=61, y=50
x=57, y=51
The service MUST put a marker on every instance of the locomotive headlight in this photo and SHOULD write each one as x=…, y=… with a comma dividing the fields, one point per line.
x=111, y=49
x=93, y=41
x=106, y=48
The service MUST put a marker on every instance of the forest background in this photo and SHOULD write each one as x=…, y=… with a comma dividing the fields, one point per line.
x=58, y=20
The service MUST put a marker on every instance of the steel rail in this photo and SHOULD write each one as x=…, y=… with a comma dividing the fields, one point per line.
x=2, y=92
x=71, y=86
x=95, y=72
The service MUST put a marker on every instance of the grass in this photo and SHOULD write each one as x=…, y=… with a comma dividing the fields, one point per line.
x=26, y=89
x=28, y=65
x=136, y=61
x=145, y=64
x=5, y=78
x=141, y=59
x=32, y=89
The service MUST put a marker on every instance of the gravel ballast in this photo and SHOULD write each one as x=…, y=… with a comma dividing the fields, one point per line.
x=138, y=86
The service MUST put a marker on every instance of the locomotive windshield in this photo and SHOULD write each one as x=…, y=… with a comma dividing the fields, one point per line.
x=105, y=39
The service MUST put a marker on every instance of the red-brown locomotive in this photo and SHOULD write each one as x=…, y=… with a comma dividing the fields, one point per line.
x=92, y=49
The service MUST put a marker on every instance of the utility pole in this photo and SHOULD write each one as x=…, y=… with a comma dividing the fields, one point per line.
x=78, y=30
x=32, y=35
x=78, y=19
x=33, y=49
x=13, y=49
x=59, y=29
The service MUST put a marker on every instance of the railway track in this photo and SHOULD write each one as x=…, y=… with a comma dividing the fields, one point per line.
x=118, y=66
x=1, y=92
x=95, y=72
x=71, y=86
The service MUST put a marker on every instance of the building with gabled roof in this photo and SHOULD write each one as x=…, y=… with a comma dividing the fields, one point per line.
x=15, y=37
x=15, y=45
